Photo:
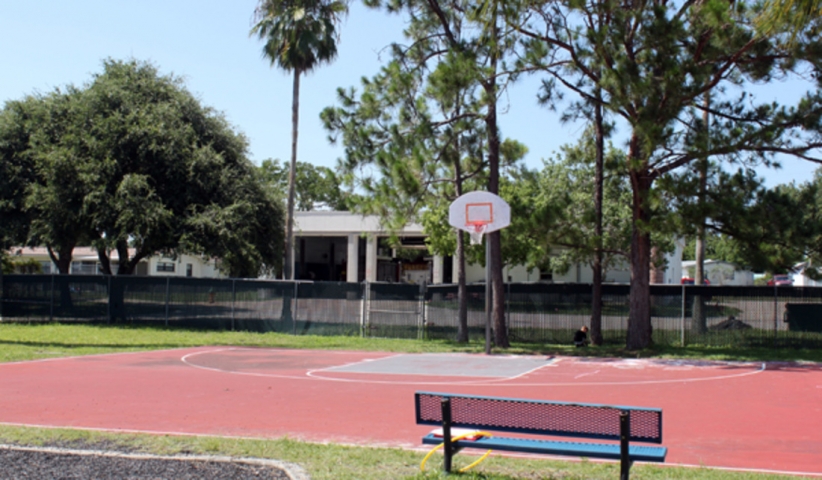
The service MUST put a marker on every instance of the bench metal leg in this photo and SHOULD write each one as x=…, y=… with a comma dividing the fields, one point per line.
x=446, y=434
x=624, y=441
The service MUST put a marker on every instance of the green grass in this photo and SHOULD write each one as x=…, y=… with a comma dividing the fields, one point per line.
x=35, y=341
x=339, y=462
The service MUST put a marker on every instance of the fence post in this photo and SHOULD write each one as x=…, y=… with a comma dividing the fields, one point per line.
x=421, y=311
x=508, y=309
x=168, y=296
x=51, y=300
x=233, y=299
x=296, y=307
x=682, y=322
x=2, y=294
x=366, y=307
x=108, y=299
x=775, y=313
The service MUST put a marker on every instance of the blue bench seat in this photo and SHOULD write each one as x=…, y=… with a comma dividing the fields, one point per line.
x=611, y=451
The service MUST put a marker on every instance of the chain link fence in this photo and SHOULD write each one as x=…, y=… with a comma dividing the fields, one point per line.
x=536, y=313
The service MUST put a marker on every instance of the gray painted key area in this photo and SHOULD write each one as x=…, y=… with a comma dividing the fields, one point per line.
x=449, y=365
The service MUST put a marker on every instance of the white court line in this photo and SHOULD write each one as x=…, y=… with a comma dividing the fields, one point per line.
x=185, y=360
x=310, y=375
x=92, y=355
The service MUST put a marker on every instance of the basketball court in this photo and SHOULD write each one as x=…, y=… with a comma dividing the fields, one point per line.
x=740, y=415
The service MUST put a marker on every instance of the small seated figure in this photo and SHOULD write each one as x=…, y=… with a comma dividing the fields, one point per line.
x=581, y=337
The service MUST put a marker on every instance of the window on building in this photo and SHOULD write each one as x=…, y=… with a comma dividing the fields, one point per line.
x=84, y=268
x=165, y=266
x=189, y=270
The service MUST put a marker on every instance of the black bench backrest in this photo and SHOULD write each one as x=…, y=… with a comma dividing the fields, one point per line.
x=539, y=417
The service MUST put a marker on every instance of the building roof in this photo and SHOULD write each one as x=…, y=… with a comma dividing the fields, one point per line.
x=331, y=223
x=78, y=254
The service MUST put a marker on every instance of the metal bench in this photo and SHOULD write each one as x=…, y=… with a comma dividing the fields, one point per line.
x=537, y=417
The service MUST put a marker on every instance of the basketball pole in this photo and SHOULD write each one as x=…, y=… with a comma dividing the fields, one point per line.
x=488, y=293
x=481, y=213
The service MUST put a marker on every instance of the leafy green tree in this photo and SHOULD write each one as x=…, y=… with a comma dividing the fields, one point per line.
x=132, y=162
x=455, y=56
x=299, y=36
x=46, y=176
x=243, y=230
x=170, y=176
x=16, y=171
x=808, y=198
x=766, y=230
x=653, y=64
x=565, y=217
x=6, y=267
x=790, y=16
x=317, y=187
x=719, y=247
x=413, y=144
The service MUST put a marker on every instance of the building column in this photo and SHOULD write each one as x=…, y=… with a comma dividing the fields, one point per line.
x=352, y=263
x=437, y=274
x=455, y=267
x=371, y=259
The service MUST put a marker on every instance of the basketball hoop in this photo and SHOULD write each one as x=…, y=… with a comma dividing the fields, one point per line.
x=476, y=230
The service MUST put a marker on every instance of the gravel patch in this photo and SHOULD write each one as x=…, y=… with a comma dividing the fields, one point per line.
x=19, y=462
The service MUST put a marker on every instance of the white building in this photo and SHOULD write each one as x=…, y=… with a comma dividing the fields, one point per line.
x=343, y=246
x=84, y=261
x=720, y=273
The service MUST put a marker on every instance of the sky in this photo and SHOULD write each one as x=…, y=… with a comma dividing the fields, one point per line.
x=45, y=44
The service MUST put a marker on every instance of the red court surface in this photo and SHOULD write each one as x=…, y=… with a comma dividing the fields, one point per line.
x=735, y=415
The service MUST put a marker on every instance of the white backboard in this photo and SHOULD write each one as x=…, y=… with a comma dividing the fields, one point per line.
x=479, y=207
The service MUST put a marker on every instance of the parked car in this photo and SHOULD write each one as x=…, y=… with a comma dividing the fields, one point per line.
x=781, y=280
x=690, y=281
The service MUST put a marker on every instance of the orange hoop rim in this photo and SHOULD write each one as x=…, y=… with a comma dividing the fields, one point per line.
x=477, y=226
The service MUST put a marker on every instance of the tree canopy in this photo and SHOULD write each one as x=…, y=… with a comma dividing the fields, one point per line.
x=653, y=63
x=132, y=162
x=317, y=187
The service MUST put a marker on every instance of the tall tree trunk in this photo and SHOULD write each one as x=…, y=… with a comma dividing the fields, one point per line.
x=288, y=263
x=639, y=317
x=462, y=290
x=117, y=285
x=124, y=263
x=699, y=322
x=596, y=300
x=286, y=317
x=105, y=261
x=497, y=285
x=62, y=258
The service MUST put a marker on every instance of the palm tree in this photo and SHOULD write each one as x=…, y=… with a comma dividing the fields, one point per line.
x=299, y=35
